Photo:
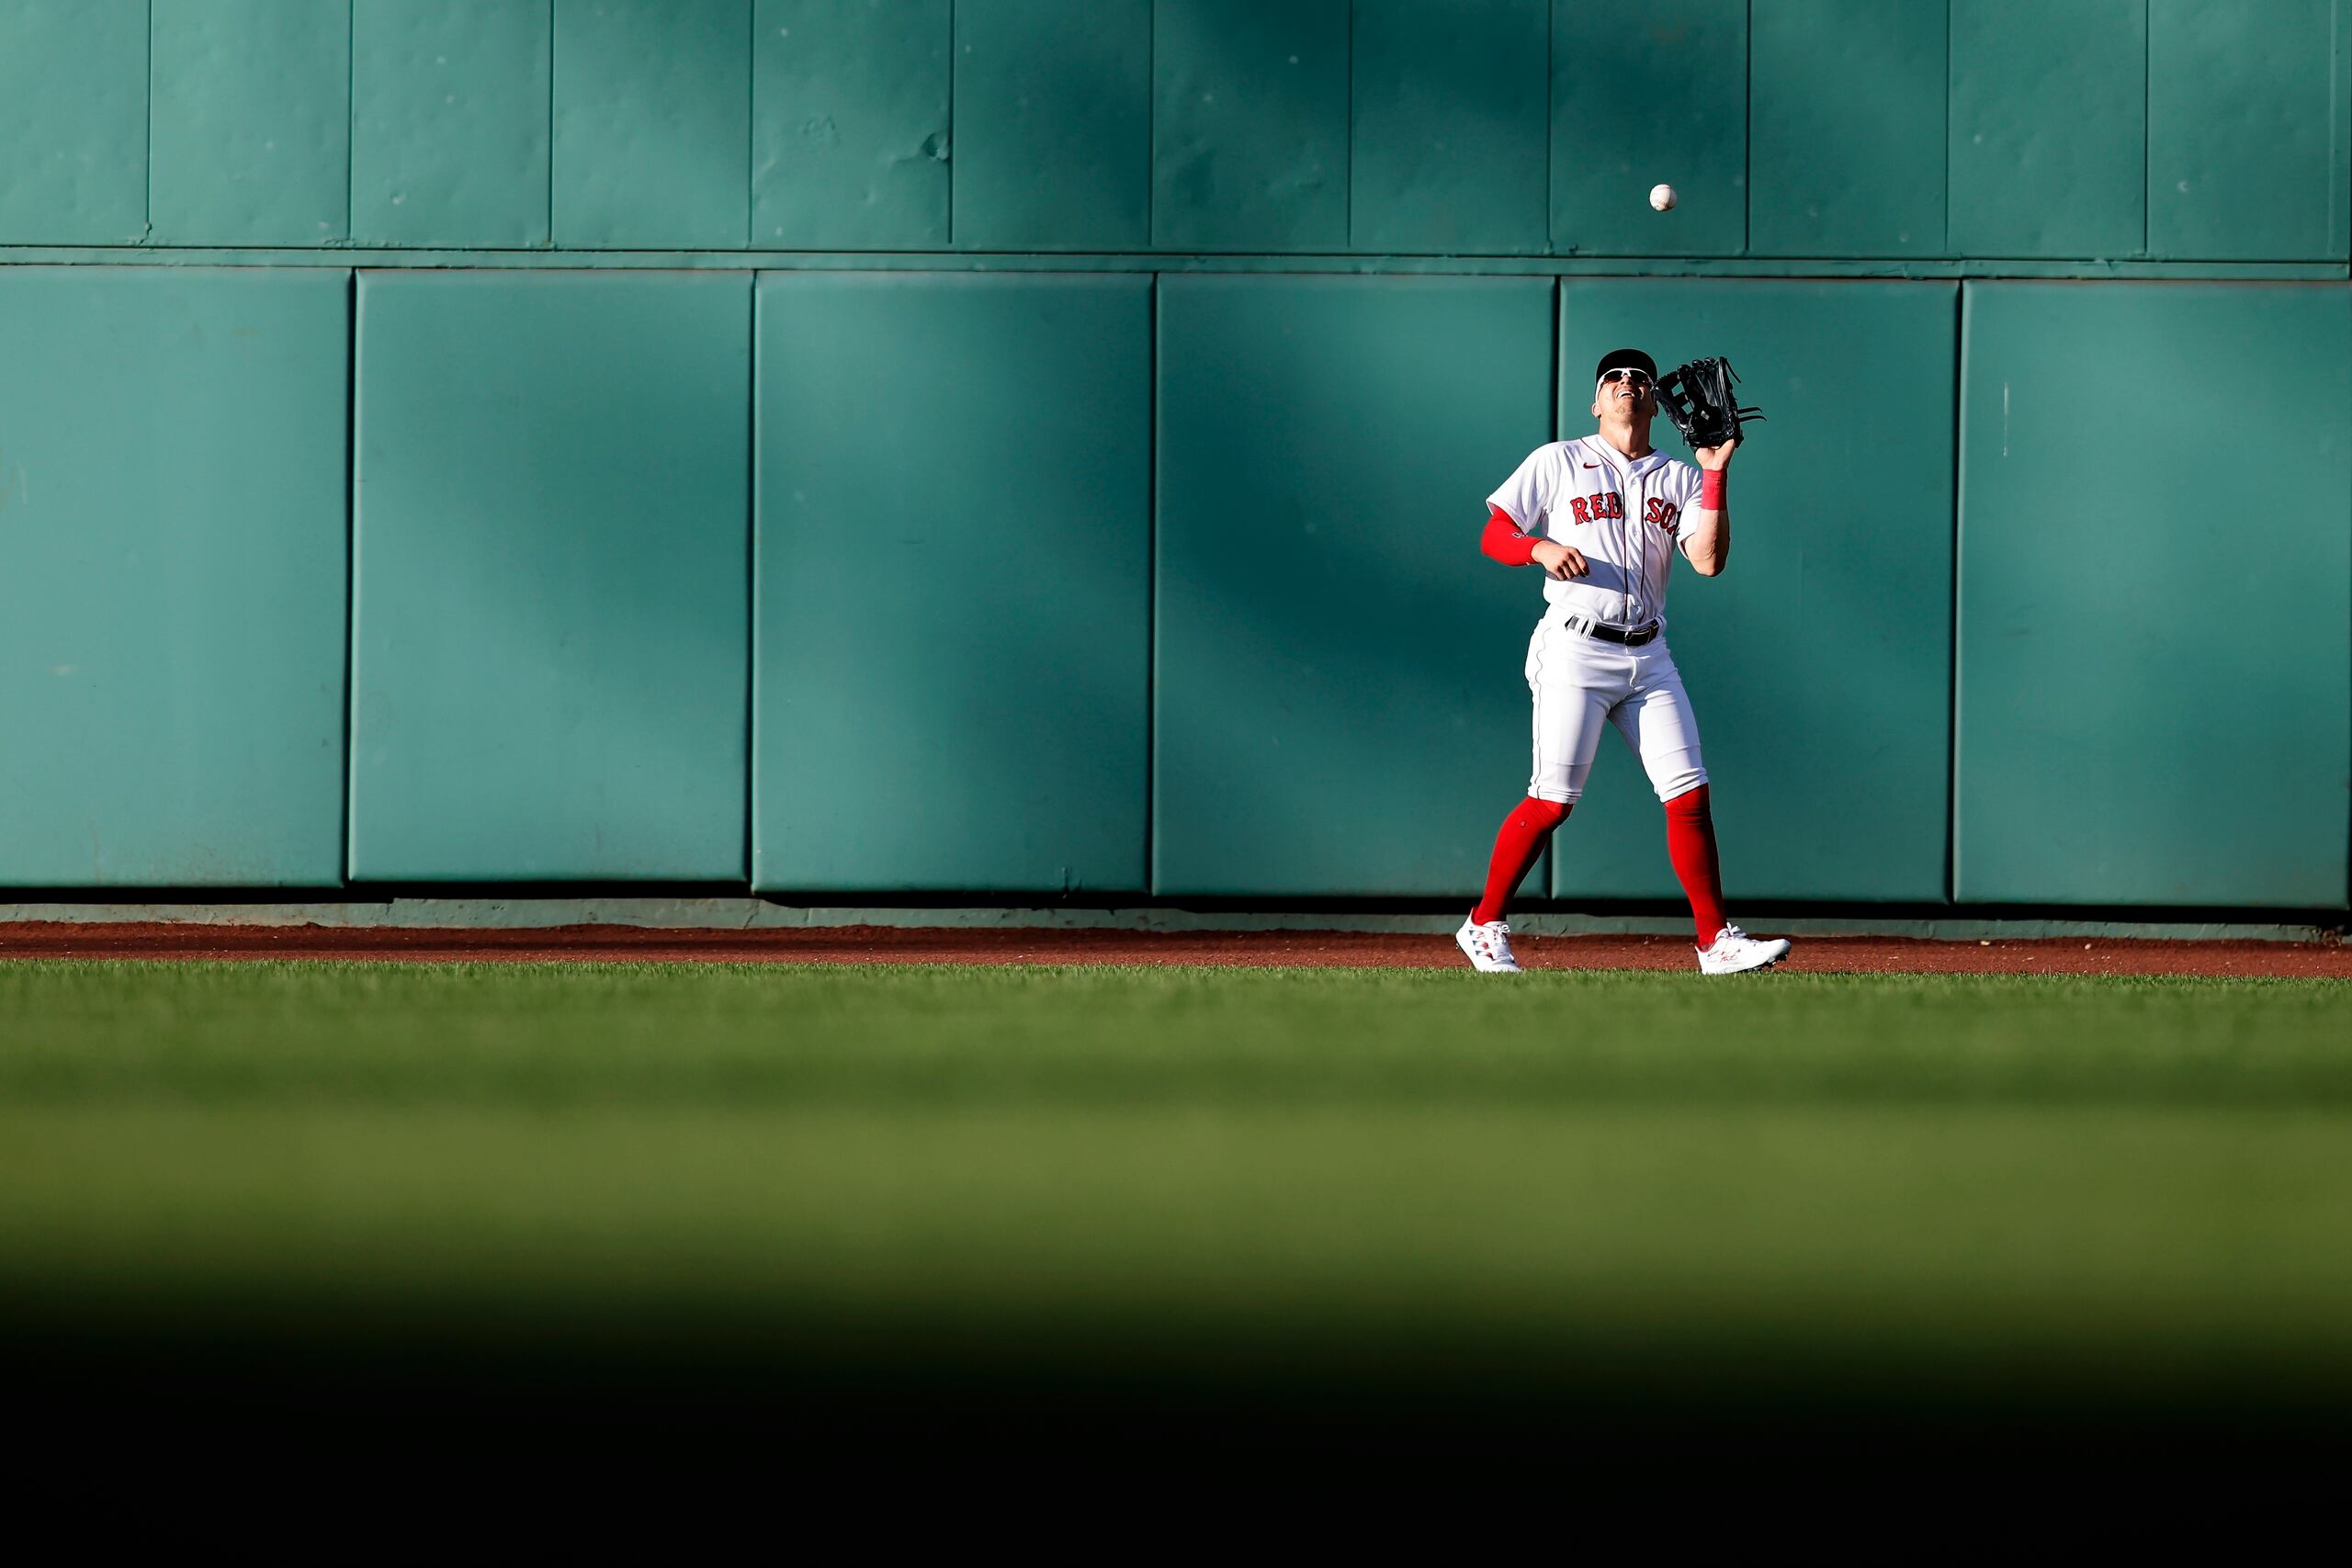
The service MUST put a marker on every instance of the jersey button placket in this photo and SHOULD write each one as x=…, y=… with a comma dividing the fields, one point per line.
x=1637, y=569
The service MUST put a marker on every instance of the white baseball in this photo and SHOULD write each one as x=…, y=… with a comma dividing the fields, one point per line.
x=1662, y=197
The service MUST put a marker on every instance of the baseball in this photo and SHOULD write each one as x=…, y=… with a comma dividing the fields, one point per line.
x=1662, y=197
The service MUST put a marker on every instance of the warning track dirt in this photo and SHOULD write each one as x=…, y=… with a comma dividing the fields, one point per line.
x=1288, y=949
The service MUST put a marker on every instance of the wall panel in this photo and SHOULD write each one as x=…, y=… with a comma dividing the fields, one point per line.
x=449, y=122
x=2026, y=179
x=1819, y=663
x=551, y=641
x=172, y=499
x=1846, y=128
x=850, y=124
x=1338, y=703
x=955, y=567
x=250, y=123
x=73, y=121
x=1449, y=123
x=1638, y=103
x=556, y=635
x=1053, y=125
x=2249, y=130
x=1249, y=124
x=652, y=124
x=2154, y=700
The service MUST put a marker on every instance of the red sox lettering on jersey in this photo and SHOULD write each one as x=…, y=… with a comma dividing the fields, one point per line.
x=1600, y=508
x=1624, y=516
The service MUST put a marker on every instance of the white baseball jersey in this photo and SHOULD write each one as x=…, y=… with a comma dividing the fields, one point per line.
x=1624, y=517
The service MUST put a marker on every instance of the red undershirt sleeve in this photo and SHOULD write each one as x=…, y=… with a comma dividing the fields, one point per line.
x=1504, y=542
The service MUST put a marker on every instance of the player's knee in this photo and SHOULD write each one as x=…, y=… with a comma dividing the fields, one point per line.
x=1546, y=812
x=1685, y=796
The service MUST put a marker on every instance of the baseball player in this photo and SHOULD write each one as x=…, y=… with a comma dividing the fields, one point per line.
x=1603, y=516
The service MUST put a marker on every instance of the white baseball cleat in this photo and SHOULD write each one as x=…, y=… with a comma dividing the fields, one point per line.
x=1735, y=953
x=1488, y=946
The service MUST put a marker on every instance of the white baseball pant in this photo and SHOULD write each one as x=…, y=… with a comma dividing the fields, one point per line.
x=1581, y=683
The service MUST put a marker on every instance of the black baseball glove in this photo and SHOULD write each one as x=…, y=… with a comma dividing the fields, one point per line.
x=1698, y=398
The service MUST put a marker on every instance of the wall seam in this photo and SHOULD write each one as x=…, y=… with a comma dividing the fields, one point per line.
x=1748, y=135
x=1348, y=141
x=1551, y=136
x=2147, y=124
x=147, y=218
x=1151, y=126
x=953, y=55
x=350, y=115
x=1559, y=368
x=1151, y=591
x=1963, y=299
x=752, y=603
x=549, y=242
x=1825, y=269
x=1943, y=243
x=2336, y=193
x=350, y=564
x=750, y=122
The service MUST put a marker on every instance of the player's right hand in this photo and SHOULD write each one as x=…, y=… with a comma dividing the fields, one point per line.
x=1558, y=561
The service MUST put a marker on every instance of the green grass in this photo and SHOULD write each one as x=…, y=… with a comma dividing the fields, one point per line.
x=2121, y=1189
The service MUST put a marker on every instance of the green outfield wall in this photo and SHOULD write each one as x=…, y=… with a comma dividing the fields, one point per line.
x=1003, y=448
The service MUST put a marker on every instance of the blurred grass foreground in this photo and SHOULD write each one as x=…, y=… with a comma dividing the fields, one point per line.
x=1183, y=1206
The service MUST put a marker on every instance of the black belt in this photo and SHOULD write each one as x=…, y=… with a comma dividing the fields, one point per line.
x=1607, y=633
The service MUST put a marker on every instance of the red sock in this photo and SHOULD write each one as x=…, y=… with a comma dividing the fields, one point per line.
x=1516, y=847
x=1691, y=844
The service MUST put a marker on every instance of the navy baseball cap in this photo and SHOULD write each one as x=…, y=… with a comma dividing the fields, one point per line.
x=1629, y=359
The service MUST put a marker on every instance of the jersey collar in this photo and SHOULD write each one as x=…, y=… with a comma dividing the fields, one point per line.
x=1595, y=445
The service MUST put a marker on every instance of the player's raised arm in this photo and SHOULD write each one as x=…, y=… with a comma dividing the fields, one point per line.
x=1699, y=397
x=1707, y=541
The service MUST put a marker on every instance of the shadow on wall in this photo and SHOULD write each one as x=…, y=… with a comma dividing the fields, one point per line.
x=1449, y=139
x=1052, y=135
x=1339, y=702
x=550, y=604
x=955, y=614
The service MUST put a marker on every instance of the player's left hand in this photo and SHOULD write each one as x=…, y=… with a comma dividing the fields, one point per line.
x=1716, y=457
